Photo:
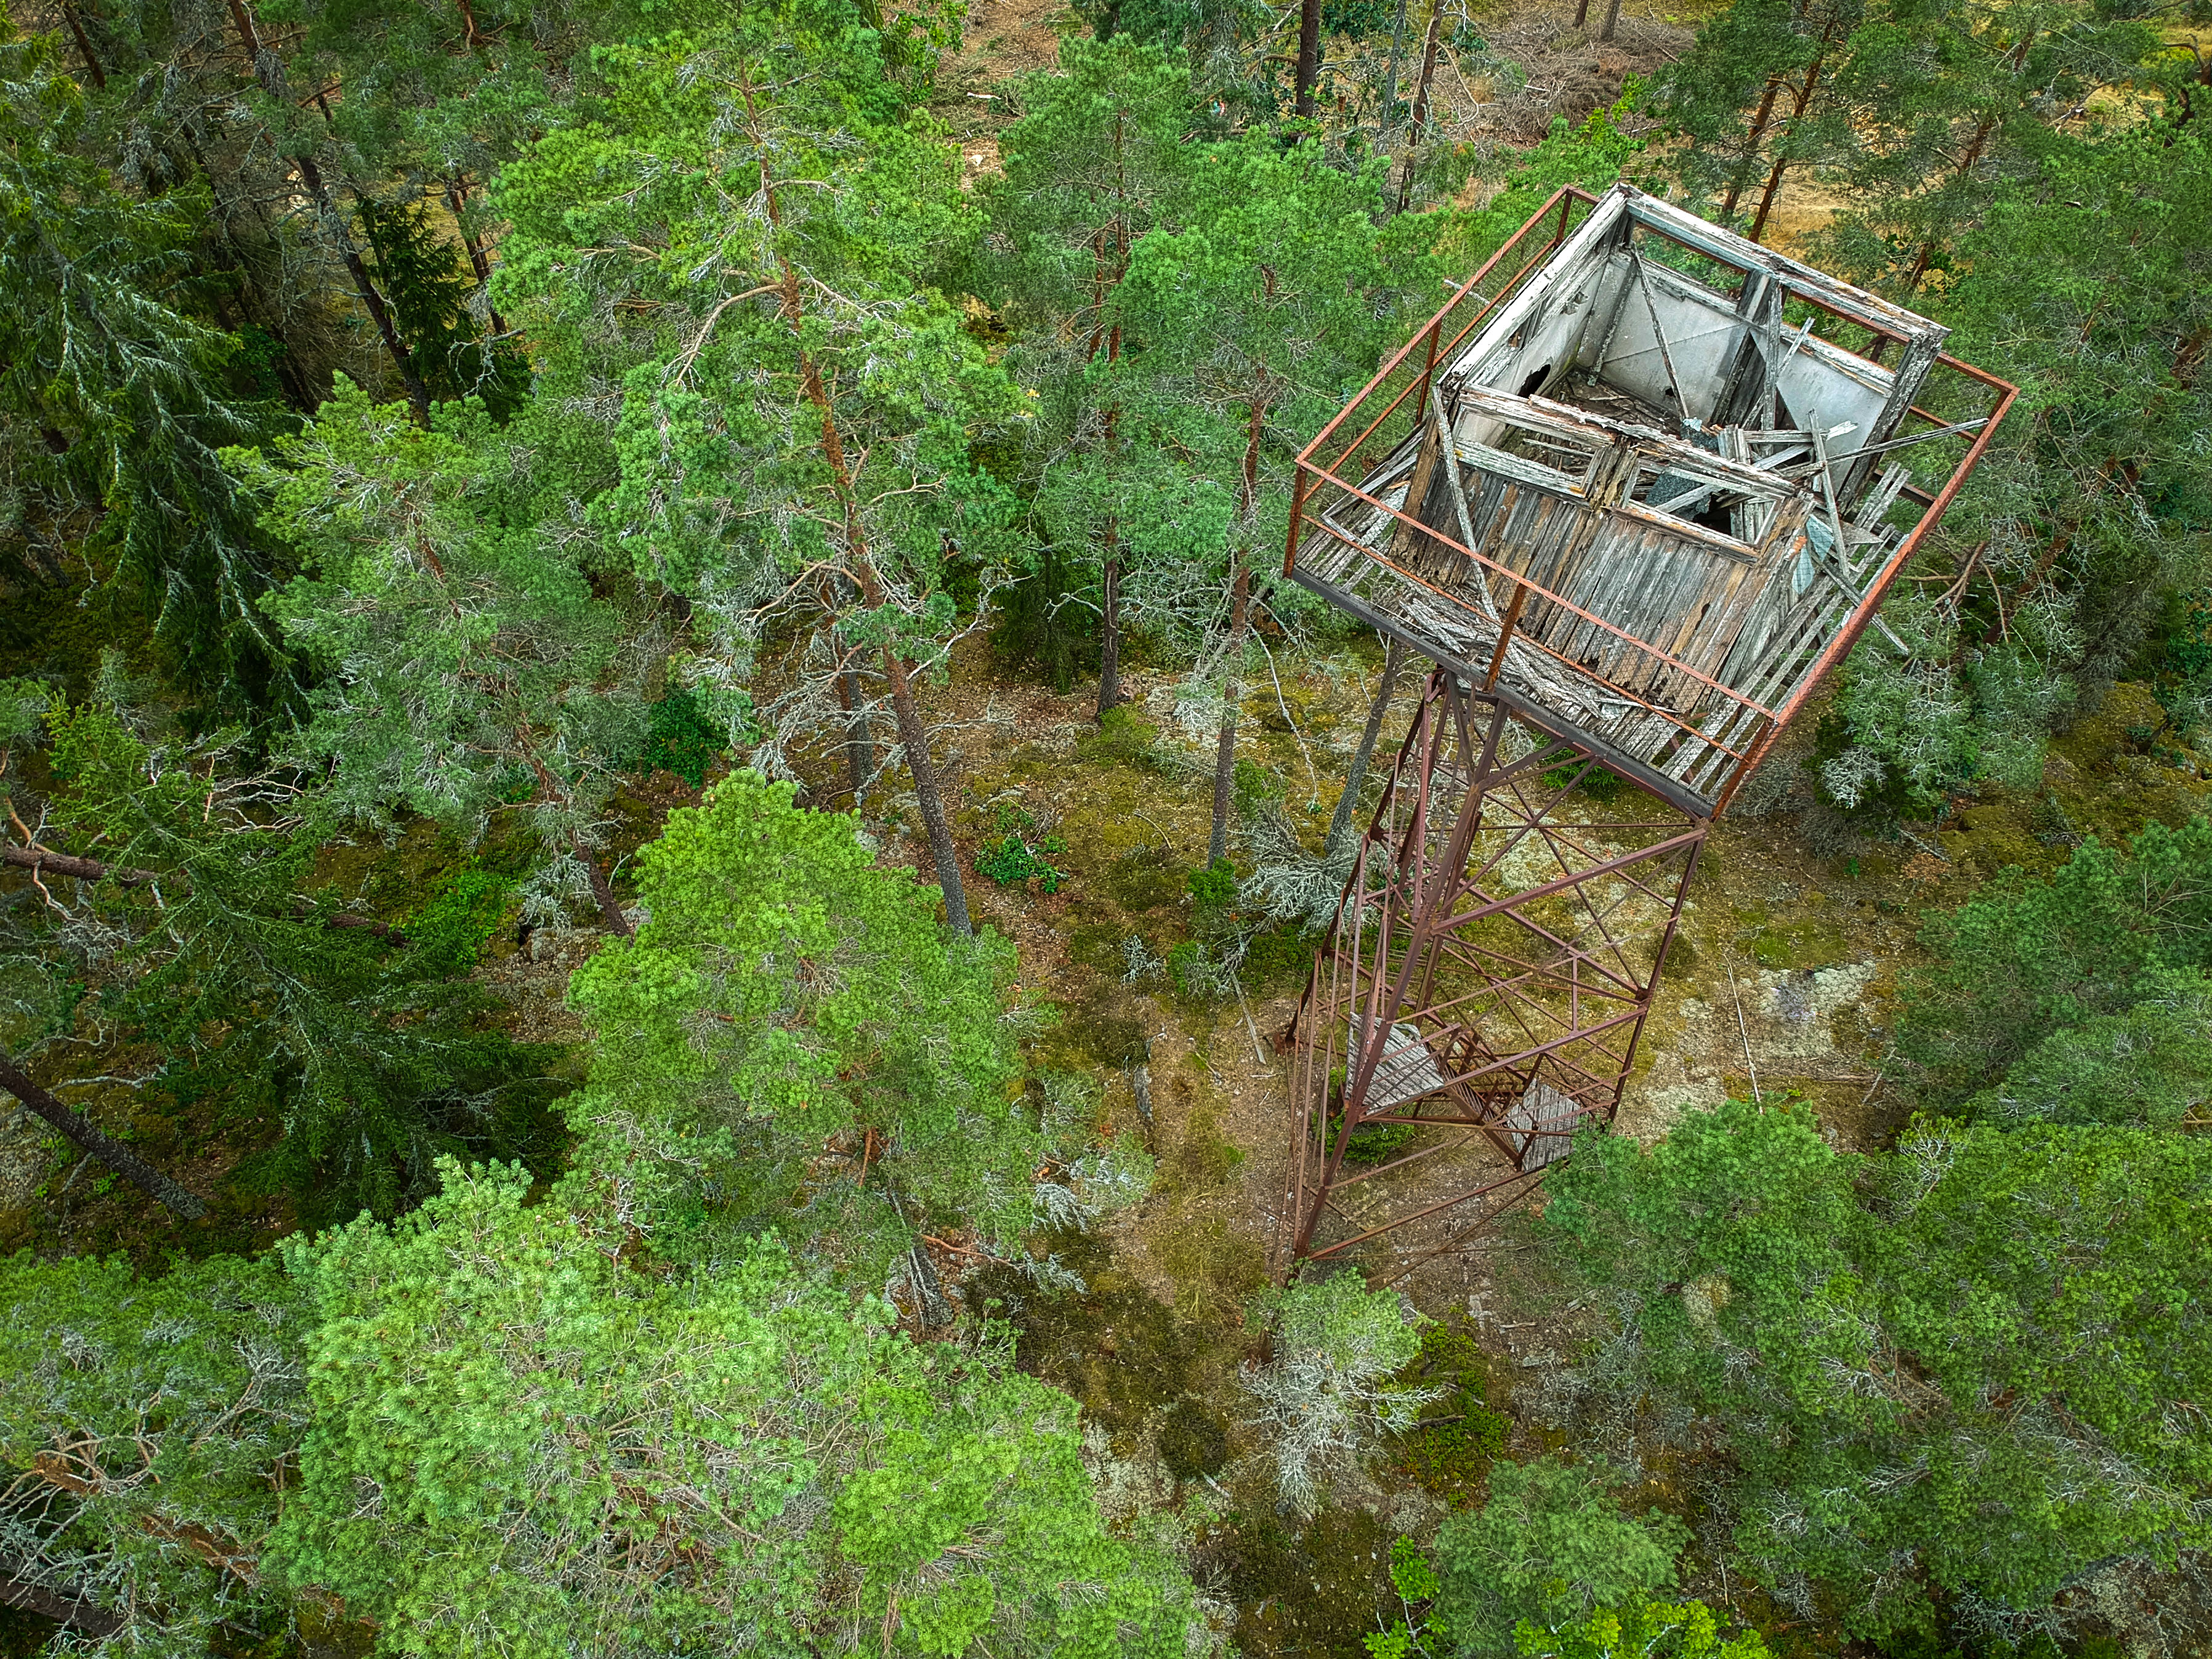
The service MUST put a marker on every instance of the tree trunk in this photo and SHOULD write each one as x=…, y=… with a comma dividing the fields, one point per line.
x=2188, y=360
x=601, y=890
x=1308, y=66
x=17, y=1590
x=1232, y=686
x=270, y=74
x=1751, y=148
x=1348, y=802
x=479, y=261
x=84, y=45
x=860, y=739
x=930, y=1310
x=306, y=400
x=1420, y=101
x=1582, y=14
x=117, y=1157
x=1612, y=20
x=1109, y=648
x=914, y=737
x=1390, y=75
x=1781, y=161
x=38, y=860
x=334, y=224
x=1927, y=254
x=1225, y=754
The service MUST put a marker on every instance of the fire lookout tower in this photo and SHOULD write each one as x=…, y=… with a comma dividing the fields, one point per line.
x=1632, y=502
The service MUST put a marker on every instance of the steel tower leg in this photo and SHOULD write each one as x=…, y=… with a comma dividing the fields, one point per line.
x=1493, y=959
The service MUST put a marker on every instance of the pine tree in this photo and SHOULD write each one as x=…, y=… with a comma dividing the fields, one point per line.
x=1760, y=94
x=1722, y=94
x=1950, y=102
x=491, y=1428
x=787, y=994
x=569, y=1454
x=799, y=407
x=152, y=1422
x=2090, y=510
x=1844, y=1320
x=1262, y=311
x=1095, y=163
x=469, y=670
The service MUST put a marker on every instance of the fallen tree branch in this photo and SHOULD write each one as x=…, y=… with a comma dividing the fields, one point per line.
x=117, y=1157
x=38, y=858
x=79, y=1614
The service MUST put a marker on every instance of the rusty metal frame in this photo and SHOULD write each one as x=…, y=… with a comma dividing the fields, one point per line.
x=1319, y=469
x=1495, y=909
x=1510, y=978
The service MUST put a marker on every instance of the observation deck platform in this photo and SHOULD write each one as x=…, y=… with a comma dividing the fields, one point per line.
x=1646, y=490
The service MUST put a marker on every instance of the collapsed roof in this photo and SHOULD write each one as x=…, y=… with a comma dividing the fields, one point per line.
x=1671, y=494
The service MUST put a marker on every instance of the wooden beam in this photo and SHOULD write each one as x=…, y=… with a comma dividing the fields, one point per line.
x=1551, y=724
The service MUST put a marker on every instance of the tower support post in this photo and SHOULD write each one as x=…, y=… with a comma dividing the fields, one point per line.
x=1493, y=959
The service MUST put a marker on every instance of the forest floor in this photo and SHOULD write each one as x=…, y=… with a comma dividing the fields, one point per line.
x=1532, y=65
x=1782, y=983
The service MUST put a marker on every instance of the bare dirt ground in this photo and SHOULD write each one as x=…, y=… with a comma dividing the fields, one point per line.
x=1531, y=65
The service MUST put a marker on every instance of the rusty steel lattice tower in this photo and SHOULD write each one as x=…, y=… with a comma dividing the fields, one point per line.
x=1632, y=507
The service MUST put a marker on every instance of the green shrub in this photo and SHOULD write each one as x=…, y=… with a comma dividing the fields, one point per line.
x=1280, y=956
x=1331, y=1384
x=1215, y=885
x=1022, y=851
x=2150, y=1068
x=1253, y=790
x=1599, y=784
x=448, y=934
x=1450, y=1458
x=2025, y=958
x=1550, y=1546
x=681, y=739
x=2063, y=1265
x=1378, y=1143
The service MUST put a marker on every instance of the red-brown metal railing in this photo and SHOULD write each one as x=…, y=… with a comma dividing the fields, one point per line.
x=1395, y=382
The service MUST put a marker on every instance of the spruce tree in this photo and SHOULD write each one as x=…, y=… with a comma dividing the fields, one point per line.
x=116, y=401
x=184, y=949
